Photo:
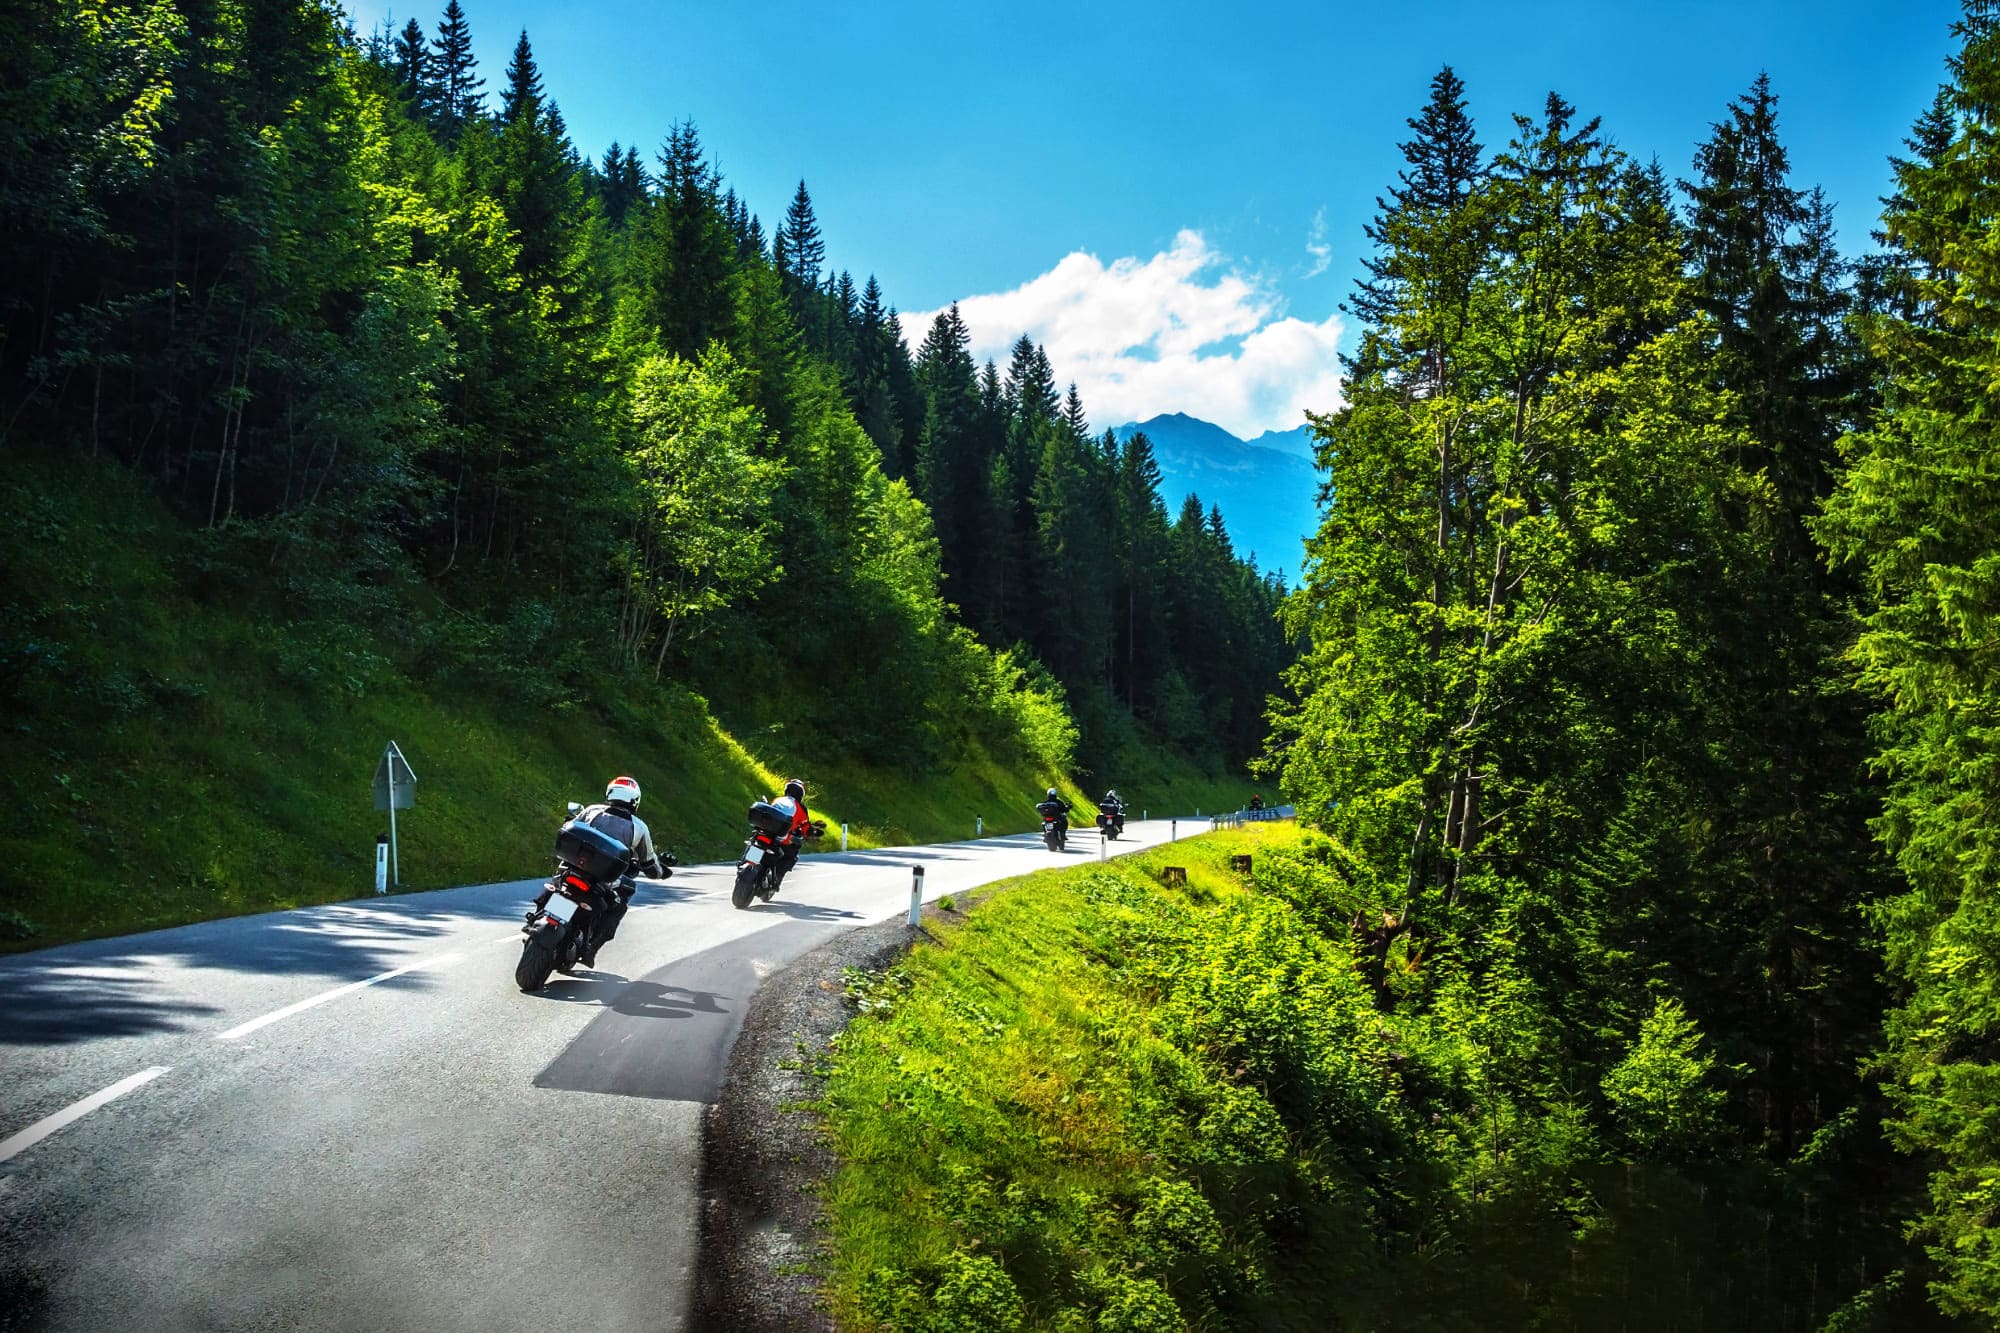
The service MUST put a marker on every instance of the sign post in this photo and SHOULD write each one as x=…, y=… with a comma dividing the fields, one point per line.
x=395, y=789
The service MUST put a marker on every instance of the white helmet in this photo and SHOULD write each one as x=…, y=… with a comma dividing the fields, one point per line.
x=623, y=789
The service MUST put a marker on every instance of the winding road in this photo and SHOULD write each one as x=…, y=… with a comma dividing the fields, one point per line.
x=347, y=1117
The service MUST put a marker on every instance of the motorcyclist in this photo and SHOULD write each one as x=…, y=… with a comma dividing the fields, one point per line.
x=1113, y=807
x=1256, y=800
x=618, y=815
x=793, y=803
x=1055, y=806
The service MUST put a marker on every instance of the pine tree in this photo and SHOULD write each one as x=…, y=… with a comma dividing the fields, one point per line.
x=687, y=256
x=1767, y=273
x=523, y=93
x=412, y=66
x=804, y=247
x=1917, y=514
x=458, y=96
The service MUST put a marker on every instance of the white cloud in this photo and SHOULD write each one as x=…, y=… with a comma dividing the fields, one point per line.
x=1180, y=332
x=1318, y=247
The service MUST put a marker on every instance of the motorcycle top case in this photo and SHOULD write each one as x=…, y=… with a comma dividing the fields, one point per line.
x=768, y=818
x=1049, y=809
x=595, y=854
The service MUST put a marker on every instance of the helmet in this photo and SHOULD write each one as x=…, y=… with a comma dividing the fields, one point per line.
x=1111, y=795
x=1052, y=793
x=623, y=790
x=795, y=789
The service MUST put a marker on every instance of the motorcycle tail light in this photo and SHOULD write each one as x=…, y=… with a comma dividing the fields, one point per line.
x=576, y=883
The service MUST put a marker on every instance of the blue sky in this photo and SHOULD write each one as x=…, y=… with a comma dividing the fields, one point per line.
x=1143, y=186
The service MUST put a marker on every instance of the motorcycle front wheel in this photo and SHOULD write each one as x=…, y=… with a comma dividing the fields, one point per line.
x=746, y=886
x=537, y=961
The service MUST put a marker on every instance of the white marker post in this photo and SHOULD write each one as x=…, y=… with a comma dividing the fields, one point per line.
x=916, y=894
x=381, y=863
x=843, y=837
x=395, y=788
x=979, y=826
x=1174, y=831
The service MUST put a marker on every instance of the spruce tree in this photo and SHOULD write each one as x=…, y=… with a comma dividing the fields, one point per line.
x=1789, y=805
x=523, y=92
x=458, y=91
x=1917, y=514
x=805, y=249
x=412, y=65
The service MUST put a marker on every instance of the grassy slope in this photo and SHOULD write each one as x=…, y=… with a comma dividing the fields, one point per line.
x=1018, y=1090
x=166, y=758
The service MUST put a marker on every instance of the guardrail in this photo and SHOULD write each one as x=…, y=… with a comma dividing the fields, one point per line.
x=1239, y=817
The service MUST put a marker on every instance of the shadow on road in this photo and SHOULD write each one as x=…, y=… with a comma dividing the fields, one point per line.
x=805, y=911
x=141, y=984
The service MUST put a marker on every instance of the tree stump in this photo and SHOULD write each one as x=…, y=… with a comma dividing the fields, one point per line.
x=1174, y=875
x=1240, y=864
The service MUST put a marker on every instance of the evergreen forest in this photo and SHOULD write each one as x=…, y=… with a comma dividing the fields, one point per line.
x=367, y=359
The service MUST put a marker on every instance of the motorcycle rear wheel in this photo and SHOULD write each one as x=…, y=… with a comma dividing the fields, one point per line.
x=746, y=886
x=537, y=961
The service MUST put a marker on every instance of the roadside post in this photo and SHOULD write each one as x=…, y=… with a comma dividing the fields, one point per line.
x=381, y=863
x=395, y=789
x=916, y=894
x=979, y=826
x=1174, y=830
x=843, y=837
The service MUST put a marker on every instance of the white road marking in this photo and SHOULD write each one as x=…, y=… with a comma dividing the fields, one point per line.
x=48, y=1125
x=279, y=1015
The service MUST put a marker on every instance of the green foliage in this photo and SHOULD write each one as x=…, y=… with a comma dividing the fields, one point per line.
x=1165, y=1108
x=1915, y=517
x=702, y=493
x=1661, y=1095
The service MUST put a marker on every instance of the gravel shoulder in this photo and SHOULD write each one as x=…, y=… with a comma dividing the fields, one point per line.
x=760, y=1261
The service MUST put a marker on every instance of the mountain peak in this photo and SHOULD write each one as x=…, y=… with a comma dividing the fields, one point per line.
x=1267, y=489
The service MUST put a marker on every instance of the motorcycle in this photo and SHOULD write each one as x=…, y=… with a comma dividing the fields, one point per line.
x=767, y=854
x=1111, y=821
x=591, y=867
x=1055, y=829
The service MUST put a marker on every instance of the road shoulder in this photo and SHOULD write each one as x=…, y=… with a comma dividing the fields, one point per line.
x=765, y=1159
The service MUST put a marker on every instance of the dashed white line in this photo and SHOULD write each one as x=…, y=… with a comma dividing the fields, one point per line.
x=279, y=1015
x=48, y=1125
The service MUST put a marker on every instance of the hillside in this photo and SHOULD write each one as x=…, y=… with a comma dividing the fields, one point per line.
x=178, y=751
x=1267, y=490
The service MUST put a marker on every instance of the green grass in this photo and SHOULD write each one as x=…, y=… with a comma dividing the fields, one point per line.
x=1009, y=1095
x=172, y=753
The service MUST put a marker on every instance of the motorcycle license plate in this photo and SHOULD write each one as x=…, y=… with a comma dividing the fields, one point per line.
x=561, y=908
x=754, y=855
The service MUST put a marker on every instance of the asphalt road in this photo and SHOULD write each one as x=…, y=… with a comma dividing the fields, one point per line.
x=347, y=1117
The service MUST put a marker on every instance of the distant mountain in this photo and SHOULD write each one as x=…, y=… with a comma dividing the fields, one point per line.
x=1298, y=440
x=1267, y=489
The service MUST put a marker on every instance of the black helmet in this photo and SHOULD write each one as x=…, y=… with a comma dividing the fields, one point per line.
x=795, y=789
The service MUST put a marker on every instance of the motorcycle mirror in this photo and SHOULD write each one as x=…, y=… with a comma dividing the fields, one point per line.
x=574, y=807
